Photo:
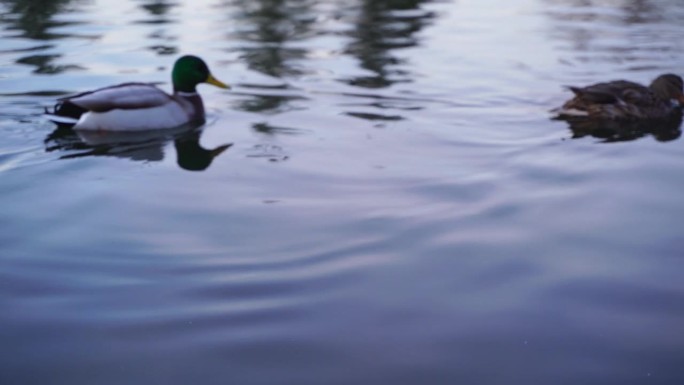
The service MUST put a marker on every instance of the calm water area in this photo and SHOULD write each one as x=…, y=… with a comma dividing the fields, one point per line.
x=396, y=204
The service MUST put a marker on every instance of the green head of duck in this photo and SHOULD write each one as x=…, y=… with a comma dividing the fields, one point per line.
x=189, y=71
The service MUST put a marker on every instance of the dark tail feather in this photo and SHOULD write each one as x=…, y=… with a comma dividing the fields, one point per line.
x=65, y=114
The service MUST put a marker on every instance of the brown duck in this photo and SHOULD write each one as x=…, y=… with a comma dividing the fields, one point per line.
x=625, y=100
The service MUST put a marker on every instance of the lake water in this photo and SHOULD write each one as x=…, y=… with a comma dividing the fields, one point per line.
x=396, y=205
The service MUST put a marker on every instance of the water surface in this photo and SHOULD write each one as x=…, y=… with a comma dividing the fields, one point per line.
x=393, y=203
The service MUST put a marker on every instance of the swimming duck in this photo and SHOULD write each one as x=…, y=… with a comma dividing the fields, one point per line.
x=139, y=106
x=625, y=100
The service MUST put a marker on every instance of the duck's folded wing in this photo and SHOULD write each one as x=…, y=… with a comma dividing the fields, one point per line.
x=123, y=96
x=610, y=92
x=593, y=95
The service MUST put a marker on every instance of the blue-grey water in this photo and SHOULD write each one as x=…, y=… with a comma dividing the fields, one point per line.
x=396, y=205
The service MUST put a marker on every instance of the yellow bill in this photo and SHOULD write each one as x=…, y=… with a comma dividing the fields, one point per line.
x=215, y=82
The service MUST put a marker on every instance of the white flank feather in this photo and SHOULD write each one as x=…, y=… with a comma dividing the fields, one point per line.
x=61, y=119
x=168, y=115
x=572, y=112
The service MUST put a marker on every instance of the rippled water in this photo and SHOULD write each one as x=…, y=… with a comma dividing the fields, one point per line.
x=394, y=204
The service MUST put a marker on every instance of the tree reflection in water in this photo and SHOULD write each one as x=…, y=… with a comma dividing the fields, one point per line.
x=267, y=28
x=609, y=31
x=158, y=17
x=34, y=20
x=380, y=28
x=276, y=38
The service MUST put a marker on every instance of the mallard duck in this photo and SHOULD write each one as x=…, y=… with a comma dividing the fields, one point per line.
x=625, y=100
x=139, y=106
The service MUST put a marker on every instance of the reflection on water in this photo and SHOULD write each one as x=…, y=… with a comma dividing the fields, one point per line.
x=159, y=11
x=160, y=15
x=268, y=28
x=620, y=131
x=604, y=31
x=268, y=99
x=380, y=28
x=270, y=129
x=45, y=64
x=191, y=156
x=34, y=20
x=145, y=146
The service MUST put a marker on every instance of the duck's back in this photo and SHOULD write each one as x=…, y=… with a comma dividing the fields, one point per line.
x=122, y=96
x=615, y=100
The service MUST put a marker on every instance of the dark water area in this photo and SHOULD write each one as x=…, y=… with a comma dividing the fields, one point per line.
x=382, y=198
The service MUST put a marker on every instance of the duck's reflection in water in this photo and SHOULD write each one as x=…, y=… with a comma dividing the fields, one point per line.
x=192, y=156
x=137, y=146
x=621, y=131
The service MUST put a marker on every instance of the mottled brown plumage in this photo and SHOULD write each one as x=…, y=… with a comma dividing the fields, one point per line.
x=625, y=100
